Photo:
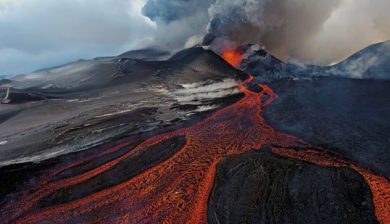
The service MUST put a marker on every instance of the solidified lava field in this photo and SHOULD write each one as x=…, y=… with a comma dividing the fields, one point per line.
x=229, y=167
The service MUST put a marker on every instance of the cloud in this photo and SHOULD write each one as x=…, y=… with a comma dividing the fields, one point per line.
x=173, y=10
x=179, y=23
x=353, y=26
x=40, y=33
x=319, y=32
x=282, y=26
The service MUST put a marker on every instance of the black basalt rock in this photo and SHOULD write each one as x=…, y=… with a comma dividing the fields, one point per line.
x=265, y=188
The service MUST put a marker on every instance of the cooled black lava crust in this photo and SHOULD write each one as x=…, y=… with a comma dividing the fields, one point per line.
x=261, y=187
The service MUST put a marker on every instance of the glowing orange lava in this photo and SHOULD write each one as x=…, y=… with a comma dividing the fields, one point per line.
x=176, y=190
x=233, y=57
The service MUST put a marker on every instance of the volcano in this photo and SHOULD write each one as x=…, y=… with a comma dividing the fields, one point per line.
x=193, y=138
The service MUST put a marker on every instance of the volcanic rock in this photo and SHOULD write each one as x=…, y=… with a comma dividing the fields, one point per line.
x=265, y=188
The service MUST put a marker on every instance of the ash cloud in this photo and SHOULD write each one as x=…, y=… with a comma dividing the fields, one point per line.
x=354, y=25
x=283, y=27
x=172, y=10
x=319, y=32
x=43, y=33
x=179, y=23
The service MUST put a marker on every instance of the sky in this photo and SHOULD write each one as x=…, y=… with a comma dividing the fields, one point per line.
x=37, y=34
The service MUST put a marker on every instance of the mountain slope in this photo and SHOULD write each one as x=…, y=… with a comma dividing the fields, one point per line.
x=105, y=98
x=349, y=116
x=372, y=62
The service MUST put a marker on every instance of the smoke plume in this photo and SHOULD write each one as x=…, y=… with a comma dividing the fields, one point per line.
x=319, y=32
x=281, y=26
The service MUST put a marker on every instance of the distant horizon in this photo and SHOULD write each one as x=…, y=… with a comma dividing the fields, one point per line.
x=5, y=76
x=38, y=34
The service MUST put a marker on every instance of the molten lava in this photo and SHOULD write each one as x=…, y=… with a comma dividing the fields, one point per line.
x=233, y=57
x=177, y=190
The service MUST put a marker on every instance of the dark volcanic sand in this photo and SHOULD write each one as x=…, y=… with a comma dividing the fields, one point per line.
x=350, y=117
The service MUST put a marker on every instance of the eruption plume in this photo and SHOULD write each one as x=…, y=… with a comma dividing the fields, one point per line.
x=319, y=32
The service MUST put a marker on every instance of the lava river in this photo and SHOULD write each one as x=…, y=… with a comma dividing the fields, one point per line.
x=176, y=190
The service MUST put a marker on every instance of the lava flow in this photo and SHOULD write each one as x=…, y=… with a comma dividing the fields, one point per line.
x=177, y=189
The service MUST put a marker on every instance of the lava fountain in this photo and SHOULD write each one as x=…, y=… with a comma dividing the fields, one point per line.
x=177, y=189
x=233, y=57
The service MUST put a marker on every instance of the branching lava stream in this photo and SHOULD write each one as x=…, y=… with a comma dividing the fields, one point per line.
x=177, y=189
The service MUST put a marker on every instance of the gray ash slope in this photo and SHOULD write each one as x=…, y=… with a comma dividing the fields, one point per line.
x=146, y=54
x=87, y=103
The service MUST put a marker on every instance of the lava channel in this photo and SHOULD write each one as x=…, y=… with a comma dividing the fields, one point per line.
x=177, y=189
